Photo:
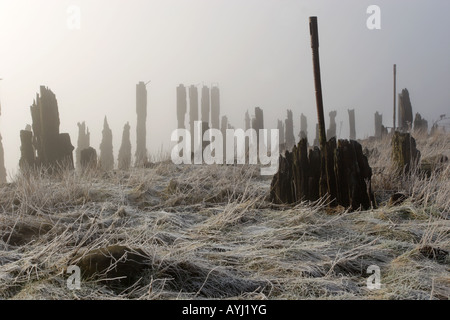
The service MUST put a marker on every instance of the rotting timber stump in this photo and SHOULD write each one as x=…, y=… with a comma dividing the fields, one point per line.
x=346, y=177
x=404, y=152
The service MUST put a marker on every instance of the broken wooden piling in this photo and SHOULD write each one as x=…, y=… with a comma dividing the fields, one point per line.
x=405, y=155
x=338, y=170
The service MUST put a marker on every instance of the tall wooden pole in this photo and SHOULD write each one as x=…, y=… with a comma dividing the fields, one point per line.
x=317, y=81
x=395, y=90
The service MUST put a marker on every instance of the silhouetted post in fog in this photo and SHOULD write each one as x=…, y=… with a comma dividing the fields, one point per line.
x=205, y=110
x=351, y=117
x=124, y=158
x=215, y=107
x=193, y=111
x=280, y=127
x=258, y=124
x=404, y=152
x=420, y=124
x=141, y=130
x=88, y=158
x=341, y=169
x=223, y=128
x=289, y=127
x=54, y=149
x=331, y=132
x=248, y=124
x=405, y=115
x=205, y=104
x=181, y=105
x=303, y=127
x=27, y=152
x=317, y=138
x=106, y=148
x=82, y=143
x=378, y=124
x=181, y=108
x=258, y=120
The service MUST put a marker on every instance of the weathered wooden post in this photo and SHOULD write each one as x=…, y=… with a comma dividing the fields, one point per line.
x=378, y=125
x=351, y=116
x=181, y=105
x=280, y=127
x=88, y=159
x=404, y=152
x=83, y=142
x=54, y=149
x=28, y=154
x=331, y=132
x=420, y=125
x=215, y=107
x=303, y=127
x=193, y=112
x=289, y=127
x=405, y=115
x=317, y=80
x=124, y=157
x=106, y=148
x=141, y=128
x=339, y=169
x=395, y=92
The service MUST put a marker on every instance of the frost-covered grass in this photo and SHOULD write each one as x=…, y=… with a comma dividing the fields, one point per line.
x=209, y=232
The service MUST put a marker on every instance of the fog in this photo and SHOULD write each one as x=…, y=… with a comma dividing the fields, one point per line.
x=257, y=51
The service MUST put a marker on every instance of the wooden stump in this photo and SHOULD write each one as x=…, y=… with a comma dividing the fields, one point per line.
x=27, y=159
x=404, y=153
x=342, y=172
x=88, y=158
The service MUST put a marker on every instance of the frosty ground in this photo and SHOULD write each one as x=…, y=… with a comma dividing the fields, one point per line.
x=208, y=231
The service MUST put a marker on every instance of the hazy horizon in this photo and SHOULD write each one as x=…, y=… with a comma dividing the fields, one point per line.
x=257, y=51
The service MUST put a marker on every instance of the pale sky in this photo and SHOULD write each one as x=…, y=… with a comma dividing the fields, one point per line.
x=258, y=51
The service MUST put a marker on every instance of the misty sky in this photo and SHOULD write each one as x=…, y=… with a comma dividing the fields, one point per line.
x=258, y=51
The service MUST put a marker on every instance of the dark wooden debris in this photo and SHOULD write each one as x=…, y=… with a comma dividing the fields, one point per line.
x=344, y=176
x=289, y=129
x=405, y=115
x=420, y=125
x=303, y=127
x=88, y=158
x=405, y=155
x=45, y=146
x=331, y=132
x=351, y=118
